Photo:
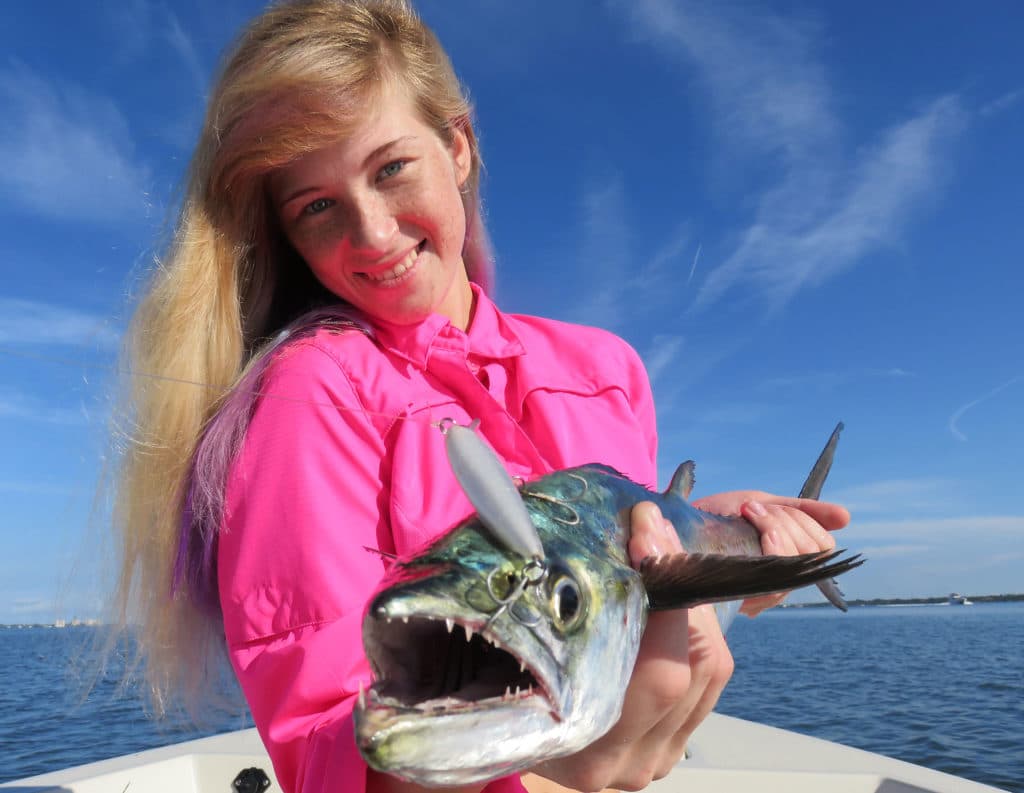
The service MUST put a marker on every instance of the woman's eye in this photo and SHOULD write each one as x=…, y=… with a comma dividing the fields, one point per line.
x=392, y=169
x=317, y=206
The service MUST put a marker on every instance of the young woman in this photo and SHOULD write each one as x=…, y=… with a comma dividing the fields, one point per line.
x=338, y=173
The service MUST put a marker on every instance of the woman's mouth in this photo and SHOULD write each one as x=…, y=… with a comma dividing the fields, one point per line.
x=400, y=271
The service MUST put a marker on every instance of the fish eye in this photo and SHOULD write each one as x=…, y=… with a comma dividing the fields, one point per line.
x=566, y=602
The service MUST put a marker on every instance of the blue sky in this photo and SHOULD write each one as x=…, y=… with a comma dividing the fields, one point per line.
x=797, y=213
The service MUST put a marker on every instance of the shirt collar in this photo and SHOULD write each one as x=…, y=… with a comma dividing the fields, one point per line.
x=489, y=336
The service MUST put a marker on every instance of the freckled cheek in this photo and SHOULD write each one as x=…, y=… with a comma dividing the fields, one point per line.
x=319, y=245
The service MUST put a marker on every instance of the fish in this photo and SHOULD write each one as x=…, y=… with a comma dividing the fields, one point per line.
x=509, y=640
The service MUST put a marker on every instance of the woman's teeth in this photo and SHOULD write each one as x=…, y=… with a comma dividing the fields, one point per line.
x=398, y=270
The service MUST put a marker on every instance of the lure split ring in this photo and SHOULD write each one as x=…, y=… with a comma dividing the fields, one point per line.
x=533, y=574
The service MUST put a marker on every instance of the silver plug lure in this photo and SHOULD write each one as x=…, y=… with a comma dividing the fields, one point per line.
x=490, y=489
x=499, y=505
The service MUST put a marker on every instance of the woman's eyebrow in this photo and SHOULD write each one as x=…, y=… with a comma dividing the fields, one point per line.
x=301, y=192
x=377, y=153
x=383, y=149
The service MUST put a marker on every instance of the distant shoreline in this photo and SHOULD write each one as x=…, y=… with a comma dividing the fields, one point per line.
x=930, y=601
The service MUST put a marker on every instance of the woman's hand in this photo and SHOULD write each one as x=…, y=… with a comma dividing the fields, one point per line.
x=681, y=669
x=788, y=526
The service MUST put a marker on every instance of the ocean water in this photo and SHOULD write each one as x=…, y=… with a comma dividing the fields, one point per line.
x=939, y=686
x=935, y=685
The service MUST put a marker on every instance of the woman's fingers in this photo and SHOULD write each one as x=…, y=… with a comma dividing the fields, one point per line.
x=785, y=530
x=711, y=666
x=829, y=516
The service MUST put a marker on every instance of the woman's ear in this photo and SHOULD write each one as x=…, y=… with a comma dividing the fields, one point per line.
x=462, y=150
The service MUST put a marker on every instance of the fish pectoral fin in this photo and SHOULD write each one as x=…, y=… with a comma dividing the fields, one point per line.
x=684, y=580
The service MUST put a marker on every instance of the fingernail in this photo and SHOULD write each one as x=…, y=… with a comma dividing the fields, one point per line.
x=757, y=508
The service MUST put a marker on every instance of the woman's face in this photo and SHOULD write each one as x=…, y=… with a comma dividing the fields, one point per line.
x=379, y=218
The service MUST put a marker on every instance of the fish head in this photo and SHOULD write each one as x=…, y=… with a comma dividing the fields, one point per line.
x=486, y=663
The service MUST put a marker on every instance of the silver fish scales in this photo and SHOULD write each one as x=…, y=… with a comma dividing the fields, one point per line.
x=490, y=658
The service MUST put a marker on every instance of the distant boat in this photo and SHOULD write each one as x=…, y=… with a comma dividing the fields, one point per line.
x=956, y=599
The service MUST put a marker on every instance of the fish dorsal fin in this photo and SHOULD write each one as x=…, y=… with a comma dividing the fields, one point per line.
x=682, y=480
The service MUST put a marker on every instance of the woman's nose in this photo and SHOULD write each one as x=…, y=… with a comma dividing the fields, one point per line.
x=373, y=224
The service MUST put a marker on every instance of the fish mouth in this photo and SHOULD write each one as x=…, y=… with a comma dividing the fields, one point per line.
x=442, y=666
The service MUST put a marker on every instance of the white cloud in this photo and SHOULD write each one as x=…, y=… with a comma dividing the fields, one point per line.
x=1002, y=103
x=828, y=380
x=27, y=322
x=789, y=247
x=767, y=91
x=38, y=488
x=969, y=529
x=890, y=551
x=67, y=154
x=598, y=300
x=814, y=215
x=958, y=414
x=186, y=51
x=664, y=353
x=900, y=496
x=14, y=405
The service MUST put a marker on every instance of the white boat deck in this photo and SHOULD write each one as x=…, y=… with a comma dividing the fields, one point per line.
x=727, y=755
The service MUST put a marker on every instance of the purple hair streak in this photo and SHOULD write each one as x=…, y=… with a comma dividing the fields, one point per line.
x=195, y=566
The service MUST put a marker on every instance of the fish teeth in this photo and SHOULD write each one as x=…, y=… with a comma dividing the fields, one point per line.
x=469, y=632
x=450, y=624
x=508, y=693
x=405, y=620
x=522, y=666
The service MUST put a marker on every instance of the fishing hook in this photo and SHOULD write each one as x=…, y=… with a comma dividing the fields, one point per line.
x=564, y=503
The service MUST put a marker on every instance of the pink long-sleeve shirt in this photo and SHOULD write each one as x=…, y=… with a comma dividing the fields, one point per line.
x=341, y=453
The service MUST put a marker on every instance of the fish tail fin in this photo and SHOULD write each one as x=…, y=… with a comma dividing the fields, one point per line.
x=812, y=489
x=819, y=473
x=685, y=580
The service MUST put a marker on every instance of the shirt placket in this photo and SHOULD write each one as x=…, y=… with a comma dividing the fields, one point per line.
x=475, y=387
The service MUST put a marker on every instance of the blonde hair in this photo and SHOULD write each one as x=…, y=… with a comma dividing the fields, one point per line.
x=295, y=81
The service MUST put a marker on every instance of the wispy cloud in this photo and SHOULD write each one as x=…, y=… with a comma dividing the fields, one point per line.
x=665, y=351
x=889, y=551
x=14, y=405
x=182, y=44
x=767, y=91
x=67, y=154
x=894, y=496
x=598, y=300
x=39, y=488
x=959, y=413
x=27, y=322
x=785, y=250
x=140, y=27
x=959, y=530
x=829, y=380
x=30, y=605
x=1002, y=103
x=770, y=100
